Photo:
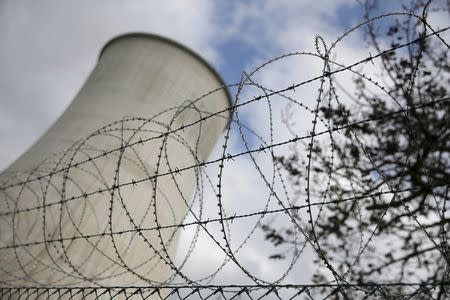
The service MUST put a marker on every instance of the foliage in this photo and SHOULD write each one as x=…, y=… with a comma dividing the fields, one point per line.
x=395, y=168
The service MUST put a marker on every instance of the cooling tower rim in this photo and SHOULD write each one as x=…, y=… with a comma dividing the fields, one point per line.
x=179, y=46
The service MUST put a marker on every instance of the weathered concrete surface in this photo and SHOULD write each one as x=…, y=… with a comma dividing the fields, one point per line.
x=78, y=227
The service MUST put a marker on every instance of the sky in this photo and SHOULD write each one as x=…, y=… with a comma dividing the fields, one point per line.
x=48, y=48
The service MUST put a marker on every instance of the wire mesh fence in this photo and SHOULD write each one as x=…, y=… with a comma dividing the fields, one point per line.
x=223, y=292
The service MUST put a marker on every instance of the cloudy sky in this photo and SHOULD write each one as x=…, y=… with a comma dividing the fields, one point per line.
x=49, y=47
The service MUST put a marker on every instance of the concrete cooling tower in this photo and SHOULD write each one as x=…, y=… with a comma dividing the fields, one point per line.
x=94, y=201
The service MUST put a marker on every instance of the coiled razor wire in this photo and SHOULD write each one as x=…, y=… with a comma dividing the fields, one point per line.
x=61, y=201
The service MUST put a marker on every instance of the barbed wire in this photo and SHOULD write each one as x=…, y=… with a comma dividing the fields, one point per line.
x=68, y=229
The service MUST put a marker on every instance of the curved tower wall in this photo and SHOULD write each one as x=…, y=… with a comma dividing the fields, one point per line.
x=94, y=212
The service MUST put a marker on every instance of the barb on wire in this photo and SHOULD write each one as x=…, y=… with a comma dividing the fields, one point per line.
x=373, y=222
